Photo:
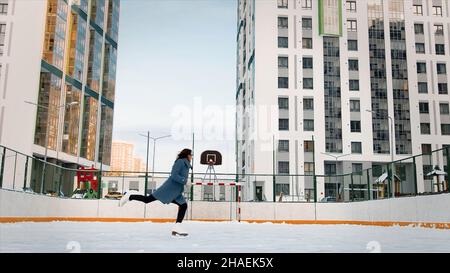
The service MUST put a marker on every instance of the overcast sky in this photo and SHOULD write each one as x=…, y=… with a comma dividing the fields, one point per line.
x=176, y=75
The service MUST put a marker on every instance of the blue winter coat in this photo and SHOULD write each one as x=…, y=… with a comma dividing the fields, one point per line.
x=172, y=189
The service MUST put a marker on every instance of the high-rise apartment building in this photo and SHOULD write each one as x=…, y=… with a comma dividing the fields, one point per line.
x=328, y=76
x=60, y=57
x=122, y=156
x=123, y=159
x=138, y=165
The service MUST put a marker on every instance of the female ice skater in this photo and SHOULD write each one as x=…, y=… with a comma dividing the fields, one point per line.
x=171, y=191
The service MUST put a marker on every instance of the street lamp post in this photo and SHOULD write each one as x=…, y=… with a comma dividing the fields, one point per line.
x=153, y=163
x=336, y=158
x=391, y=135
x=147, y=136
x=46, y=137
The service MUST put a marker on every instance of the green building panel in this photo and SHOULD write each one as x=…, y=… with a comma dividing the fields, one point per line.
x=330, y=18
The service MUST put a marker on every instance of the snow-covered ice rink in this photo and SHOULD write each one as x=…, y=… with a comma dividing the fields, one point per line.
x=217, y=237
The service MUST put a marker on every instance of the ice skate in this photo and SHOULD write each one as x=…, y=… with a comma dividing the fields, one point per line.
x=125, y=199
x=178, y=231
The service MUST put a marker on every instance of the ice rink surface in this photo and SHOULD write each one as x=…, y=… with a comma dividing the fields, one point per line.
x=217, y=237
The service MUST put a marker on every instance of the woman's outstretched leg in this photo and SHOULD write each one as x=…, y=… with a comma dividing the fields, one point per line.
x=129, y=197
x=141, y=198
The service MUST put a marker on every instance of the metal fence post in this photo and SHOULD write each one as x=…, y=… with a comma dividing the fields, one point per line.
x=314, y=170
x=447, y=152
x=351, y=191
x=15, y=168
x=26, y=174
x=99, y=188
x=2, y=168
x=390, y=174
x=368, y=186
x=60, y=181
x=273, y=171
x=416, y=190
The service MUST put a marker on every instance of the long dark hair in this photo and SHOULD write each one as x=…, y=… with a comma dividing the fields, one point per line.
x=184, y=154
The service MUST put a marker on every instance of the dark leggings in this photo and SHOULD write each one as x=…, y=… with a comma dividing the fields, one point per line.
x=182, y=208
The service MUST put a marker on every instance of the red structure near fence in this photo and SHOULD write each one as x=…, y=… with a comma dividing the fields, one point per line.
x=87, y=175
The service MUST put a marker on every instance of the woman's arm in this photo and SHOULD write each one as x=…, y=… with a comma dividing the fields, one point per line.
x=175, y=174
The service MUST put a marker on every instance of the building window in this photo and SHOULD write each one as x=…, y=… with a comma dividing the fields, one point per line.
x=355, y=106
x=283, y=42
x=443, y=88
x=445, y=129
x=353, y=65
x=422, y=87
x=309, y=168
x=307, y=63
x=354, y=85
x=3, y=8
x=308, y=104
x=421, y=68
x=444, y=108
x=283, y=124
x=418, y=29
x=357, y=168
x=283, y=22
x=71, y=120
x=281, y=189
x=49, y=94
x=440, y=49
x=308, y=146
x=134, y=186
x=282, y=4
x=424, y=108
x=439, y=30
x=306, y=4
x=308, y=83
x=352, y=45
x=355, y=126
x=426, y=170
x=283, y=62
x=307, y=43
x=306, y=23
x=283, y=146
x=441, y=68
x=330, y=169
x=283, y=167
x=426, y=149
x=308, y=125
x=283, y=82
x=283, y=103
x=113, y=186
x=420, y=48
x=437, y=10
x=418, y=9
x=352, y=25
x=351, y=6
x=446, y=147
x=356, y=148
x=425, y=129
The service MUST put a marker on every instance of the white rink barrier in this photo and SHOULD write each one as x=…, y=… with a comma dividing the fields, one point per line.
x=427, y=211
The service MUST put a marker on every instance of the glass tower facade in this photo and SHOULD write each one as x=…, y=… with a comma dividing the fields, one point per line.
x=78, y=74
x=77, y=46
x=378, y=81
x=332, y=88
x=400, y=77
x=55, y=33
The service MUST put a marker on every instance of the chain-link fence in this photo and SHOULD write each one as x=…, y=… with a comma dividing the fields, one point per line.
x=423, y=174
